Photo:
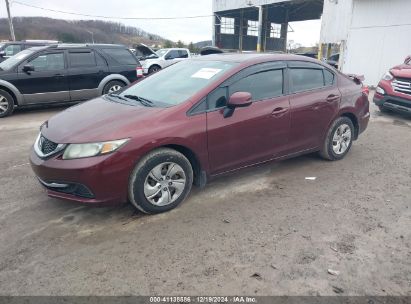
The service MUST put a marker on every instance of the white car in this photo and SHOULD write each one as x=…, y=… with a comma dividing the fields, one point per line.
x=155, y=61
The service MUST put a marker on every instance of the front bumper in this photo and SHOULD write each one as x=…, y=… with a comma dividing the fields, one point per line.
x=94, y=180
x=394, y=103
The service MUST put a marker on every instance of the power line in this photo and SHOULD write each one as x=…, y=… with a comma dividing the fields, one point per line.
x=110, y=17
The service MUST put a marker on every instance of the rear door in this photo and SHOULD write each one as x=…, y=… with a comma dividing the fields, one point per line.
x=121, y=61
x=86, y=69
x=48, y=82
x=252, y=134
x=314, y=101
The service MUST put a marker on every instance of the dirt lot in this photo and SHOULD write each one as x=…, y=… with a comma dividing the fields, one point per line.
x=264, y=231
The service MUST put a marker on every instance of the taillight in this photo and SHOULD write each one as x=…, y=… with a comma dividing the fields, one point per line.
x=139, y=71
x=365, y=90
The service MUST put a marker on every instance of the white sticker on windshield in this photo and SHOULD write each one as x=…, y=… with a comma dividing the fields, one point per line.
x=206, y=73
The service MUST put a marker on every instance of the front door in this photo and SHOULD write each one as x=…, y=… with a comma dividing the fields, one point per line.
x=48, y=82
x=252, y=134
x=314, y=101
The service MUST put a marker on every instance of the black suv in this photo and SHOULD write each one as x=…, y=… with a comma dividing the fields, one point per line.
x=65, y=73
x=11, y=48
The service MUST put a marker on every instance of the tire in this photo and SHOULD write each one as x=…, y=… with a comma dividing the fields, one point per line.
x=6, y=104
x=336, y=144
x=154, y=69
x=113, y=86
x=383, y=109
x=150, y=190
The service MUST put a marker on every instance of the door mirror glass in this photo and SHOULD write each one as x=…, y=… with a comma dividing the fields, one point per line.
x=239, y=100
x=28, y=68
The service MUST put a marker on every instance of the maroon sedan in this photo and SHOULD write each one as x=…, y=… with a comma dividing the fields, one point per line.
x=195, y=120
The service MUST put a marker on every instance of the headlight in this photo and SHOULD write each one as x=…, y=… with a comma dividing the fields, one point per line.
x=380, y=91
x=388, y=76
x=92, y=149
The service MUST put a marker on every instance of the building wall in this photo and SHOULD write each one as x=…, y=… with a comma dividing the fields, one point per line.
x=379, y=37
x=336, y=20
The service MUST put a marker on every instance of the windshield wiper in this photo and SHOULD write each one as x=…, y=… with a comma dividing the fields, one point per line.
x=117, y=96
x=143, y=101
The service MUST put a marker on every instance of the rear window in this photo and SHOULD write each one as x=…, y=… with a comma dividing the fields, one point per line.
x=82, y=59
x=122, y=56
x=306, y=79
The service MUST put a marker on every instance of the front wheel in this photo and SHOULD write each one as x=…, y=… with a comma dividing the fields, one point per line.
x=160, y=181
x=6, y=104
x=338, y=140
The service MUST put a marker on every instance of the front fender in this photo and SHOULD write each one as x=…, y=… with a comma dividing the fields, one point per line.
x=12, y=88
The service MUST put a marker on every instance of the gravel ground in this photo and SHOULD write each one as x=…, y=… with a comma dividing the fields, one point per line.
x=262, y=231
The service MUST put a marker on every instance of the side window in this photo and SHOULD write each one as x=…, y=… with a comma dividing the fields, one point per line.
x=328, y=78
x=122, y=56
x=306, y=79
x=261, y=85
x=172, y=54
x=217, y=98
x=82, y=59
x=12, y=49
x=182, y=54
x=100, y=60
x=48, y=62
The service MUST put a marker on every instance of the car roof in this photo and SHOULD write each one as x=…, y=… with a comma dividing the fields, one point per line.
x=84, y=45
x=256, y=57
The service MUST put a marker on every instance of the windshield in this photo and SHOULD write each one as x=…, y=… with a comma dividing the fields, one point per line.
x=178, y=82
x=161, y=52
x=13, y=60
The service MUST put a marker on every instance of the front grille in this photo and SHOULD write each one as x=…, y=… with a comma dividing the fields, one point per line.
x=402, y=85
x=47, y=146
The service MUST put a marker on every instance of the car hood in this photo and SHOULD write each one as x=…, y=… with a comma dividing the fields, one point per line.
x=98, y=120
x=403, y=70
x=144, y=51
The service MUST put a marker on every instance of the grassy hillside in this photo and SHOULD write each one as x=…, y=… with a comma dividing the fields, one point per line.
x=76, y=31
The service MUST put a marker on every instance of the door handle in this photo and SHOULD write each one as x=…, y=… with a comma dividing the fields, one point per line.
x=332, y=98
x=58, y=75
x=279, y=111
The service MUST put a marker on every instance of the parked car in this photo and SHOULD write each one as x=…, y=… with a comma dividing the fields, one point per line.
x=196, y=120
x=393, y=92
x=154, y=61
x=64, y=73
x=309, y=54
x=333, y=60
x=11, y=48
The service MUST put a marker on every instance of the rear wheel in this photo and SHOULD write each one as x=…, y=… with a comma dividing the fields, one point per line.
x=160, y=181
x=6, y=104
x=113, y=86
x=338, y=140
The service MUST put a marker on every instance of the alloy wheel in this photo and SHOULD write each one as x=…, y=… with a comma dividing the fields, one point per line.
x=341, y=139
x=164, y=184
x=114, y=88
x=4, y=105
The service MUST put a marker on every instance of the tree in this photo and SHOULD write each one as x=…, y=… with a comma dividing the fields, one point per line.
x=192, y=48
x=168, y=44
x=180, y=44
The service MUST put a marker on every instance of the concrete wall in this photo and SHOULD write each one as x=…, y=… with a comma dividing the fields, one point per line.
x=379, y=37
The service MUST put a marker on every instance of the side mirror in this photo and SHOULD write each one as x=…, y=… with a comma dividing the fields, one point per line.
x=28, y=68
x=237, y=100
x=2, y=53
x=407, y=60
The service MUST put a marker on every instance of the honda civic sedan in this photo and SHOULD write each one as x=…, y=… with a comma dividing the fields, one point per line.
x=149, y=143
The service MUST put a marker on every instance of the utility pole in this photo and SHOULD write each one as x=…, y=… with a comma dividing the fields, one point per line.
x=260, y=28
x=13, y=37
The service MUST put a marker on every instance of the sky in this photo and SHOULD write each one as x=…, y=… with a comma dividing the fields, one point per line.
x=187, y=30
